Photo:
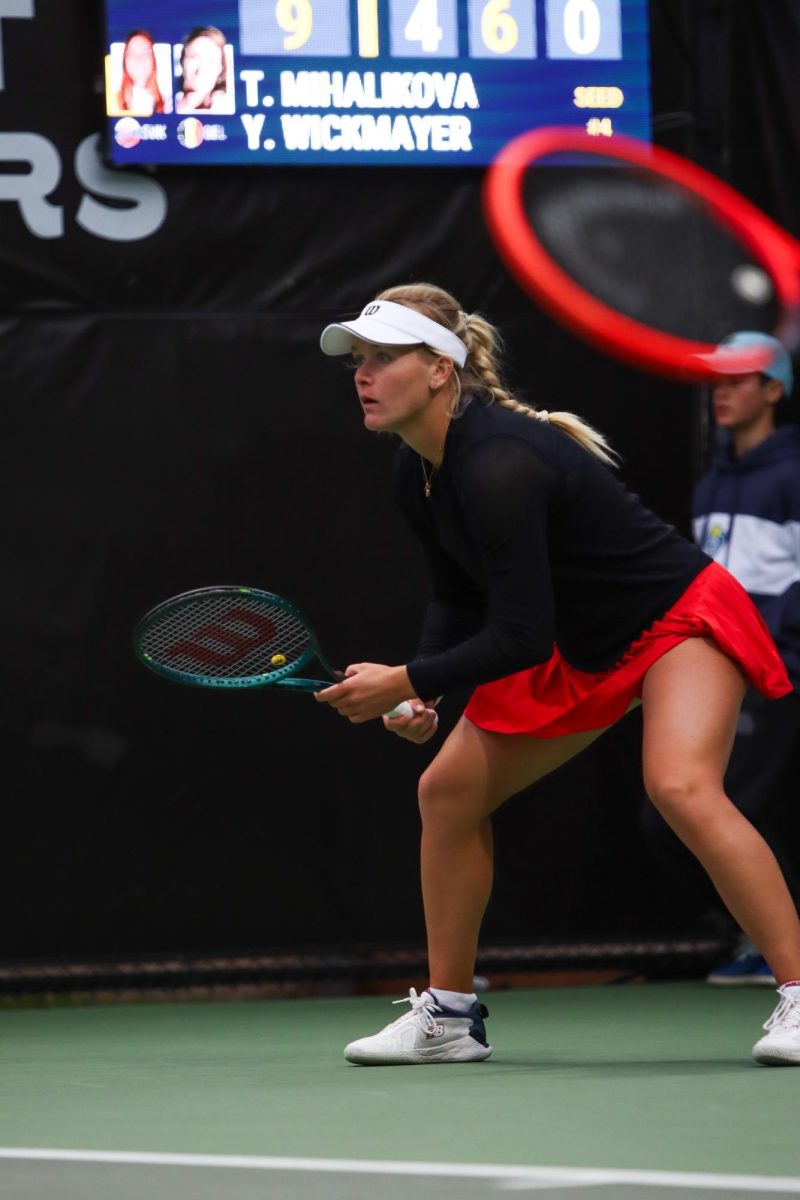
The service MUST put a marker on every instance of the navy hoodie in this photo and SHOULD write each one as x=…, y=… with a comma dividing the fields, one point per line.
x=746, y=516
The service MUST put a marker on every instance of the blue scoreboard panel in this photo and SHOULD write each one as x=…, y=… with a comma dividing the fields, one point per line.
x=412, y=82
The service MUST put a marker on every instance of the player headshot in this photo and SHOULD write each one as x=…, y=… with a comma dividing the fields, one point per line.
x=141, y=84
x=206, y=74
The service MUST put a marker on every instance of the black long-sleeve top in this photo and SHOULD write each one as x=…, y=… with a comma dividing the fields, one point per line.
x=531, y=541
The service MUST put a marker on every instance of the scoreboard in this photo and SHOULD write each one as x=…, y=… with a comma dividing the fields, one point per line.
x=413, y=82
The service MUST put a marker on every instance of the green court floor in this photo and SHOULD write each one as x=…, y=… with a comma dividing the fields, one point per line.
x=652, y=1084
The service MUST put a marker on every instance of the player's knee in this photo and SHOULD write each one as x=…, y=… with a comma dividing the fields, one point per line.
x=441, y=800
x=431, y=791
x=677, y=794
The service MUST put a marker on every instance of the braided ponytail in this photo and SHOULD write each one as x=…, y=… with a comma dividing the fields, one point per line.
x=480, y=374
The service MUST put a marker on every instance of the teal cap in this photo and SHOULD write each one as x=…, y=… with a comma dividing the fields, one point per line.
x=777, y=365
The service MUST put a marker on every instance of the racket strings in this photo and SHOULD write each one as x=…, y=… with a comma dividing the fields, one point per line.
x=226, y=637
x=649, y=249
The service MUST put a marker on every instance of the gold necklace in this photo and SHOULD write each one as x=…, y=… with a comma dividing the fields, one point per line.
x=434, y=466
x=428, y=478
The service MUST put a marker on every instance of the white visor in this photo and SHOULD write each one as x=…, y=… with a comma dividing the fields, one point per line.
x=387, y=324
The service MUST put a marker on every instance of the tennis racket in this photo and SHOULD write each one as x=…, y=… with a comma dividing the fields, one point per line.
x=640, y=252
x=234, y=637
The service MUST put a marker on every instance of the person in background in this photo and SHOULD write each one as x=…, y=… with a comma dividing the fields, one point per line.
x=139, y=92
x=746, y=516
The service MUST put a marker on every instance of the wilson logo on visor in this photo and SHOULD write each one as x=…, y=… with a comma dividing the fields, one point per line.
x=370, y=310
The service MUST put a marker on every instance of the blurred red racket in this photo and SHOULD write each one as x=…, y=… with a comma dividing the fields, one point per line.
x=640, y=252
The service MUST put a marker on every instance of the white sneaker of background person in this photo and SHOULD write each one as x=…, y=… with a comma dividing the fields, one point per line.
x=432, y=1032
x=780, y=1045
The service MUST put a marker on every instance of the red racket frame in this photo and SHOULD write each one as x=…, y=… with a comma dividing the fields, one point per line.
x=592, y=319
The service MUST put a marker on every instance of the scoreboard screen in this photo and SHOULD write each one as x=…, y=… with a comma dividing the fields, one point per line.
x=411, y=82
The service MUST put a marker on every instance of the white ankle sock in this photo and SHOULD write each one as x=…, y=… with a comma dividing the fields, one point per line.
x=460, y=1001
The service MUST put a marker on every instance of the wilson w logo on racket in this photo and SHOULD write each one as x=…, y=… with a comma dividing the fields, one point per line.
x=233, y=637
x=223, y=642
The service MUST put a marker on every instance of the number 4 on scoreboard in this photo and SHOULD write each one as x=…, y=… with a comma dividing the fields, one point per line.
x=423, y=26
x=494, y=28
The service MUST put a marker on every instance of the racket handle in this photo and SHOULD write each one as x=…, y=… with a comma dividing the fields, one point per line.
x=404, y=709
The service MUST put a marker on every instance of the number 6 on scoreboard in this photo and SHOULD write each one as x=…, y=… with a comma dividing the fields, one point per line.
x=501, y=29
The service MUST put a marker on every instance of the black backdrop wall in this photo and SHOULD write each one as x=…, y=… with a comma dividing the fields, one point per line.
x=167, y=422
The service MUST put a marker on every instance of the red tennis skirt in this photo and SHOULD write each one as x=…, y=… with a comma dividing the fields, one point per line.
x=554, y=698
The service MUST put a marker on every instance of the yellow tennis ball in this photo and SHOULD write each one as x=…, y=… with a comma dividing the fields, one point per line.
x=278, y=660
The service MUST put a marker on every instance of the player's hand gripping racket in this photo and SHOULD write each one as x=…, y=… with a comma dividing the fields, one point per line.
x=640, y=252
x=234, y=637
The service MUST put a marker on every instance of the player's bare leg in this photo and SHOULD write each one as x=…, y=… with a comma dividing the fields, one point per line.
x=690, y=700
x=473, y=774
x=470, y=777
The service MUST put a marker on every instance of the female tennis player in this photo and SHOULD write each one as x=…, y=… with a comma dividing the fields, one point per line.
x=563, y=603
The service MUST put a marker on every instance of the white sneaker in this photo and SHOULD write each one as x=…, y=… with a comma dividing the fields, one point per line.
x=430, y=1033
x=780, y=1046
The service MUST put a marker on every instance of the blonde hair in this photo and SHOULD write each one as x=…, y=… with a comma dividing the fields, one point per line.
x=481, y=372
